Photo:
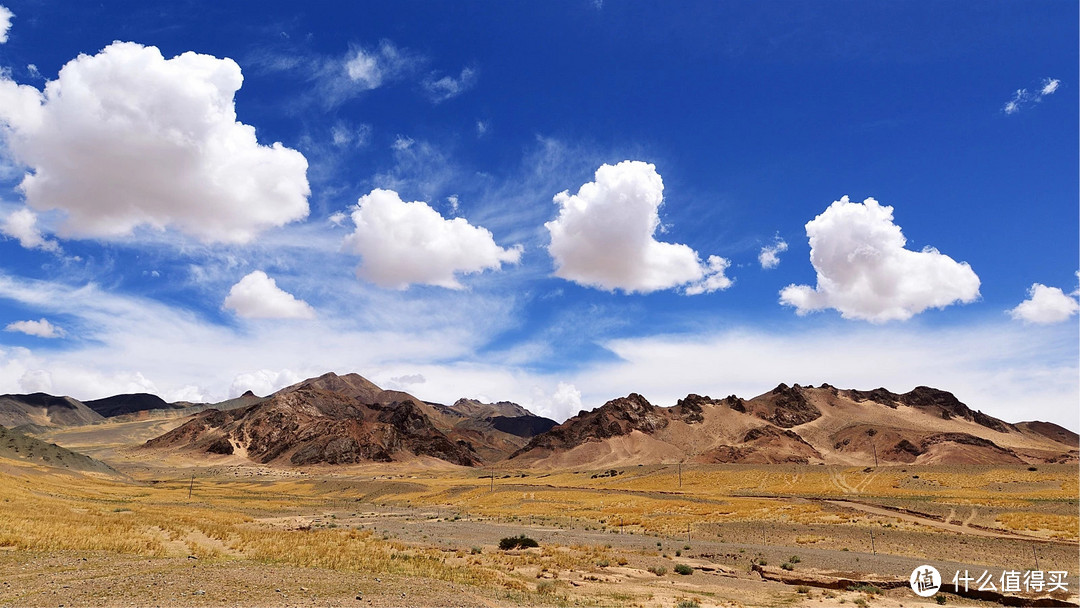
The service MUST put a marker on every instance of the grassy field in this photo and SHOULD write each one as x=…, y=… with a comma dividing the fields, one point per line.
x=605, y=536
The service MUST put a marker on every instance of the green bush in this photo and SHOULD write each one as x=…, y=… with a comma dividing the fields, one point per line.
x=515, y=542
x=786, y=566
x=683, y=569
x=688, y=604
x=794, y=559
x=658, y=570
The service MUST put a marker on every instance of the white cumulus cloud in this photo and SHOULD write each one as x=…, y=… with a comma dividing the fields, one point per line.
x=563, y=403
x=127, y=138
x=404, y=243
x=1045, y=305
x=604, y=237
x=22, y=225
x=262, y=382
x=41, y=328
x=257, y=296
x=5, y=23
x=770, y=254
x=864, y=271
x=36, y=381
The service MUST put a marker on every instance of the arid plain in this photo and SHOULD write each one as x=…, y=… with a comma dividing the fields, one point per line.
x=176, y=527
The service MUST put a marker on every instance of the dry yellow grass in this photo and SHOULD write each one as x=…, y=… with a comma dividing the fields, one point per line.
x=48, y=512
x=44, y=513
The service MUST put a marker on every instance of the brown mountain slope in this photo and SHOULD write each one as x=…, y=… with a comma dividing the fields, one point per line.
x=331, y=419
x=44, y=411
x=17, y=446
x=797, y=424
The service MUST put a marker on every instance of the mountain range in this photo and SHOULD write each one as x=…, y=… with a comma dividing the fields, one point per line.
x=346, y=419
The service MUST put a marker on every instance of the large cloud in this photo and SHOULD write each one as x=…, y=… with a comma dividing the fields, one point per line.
x=127, y=138
x=604, y=237
x=864, y=272
x=404, y=243
x=1045, y=305
x=257, y=296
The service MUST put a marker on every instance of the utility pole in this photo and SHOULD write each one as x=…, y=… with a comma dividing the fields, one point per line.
x=687, y=532
x=492, y=478
x=680, y=473
x=192, y=486
x=1036, y=557
x=873, y=549
x=875, y=452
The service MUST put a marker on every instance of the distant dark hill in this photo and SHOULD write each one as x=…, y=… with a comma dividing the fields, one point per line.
x=16, y=446
x=118, y=405
x=44, y=411
x=494, y=430
x=523, y=426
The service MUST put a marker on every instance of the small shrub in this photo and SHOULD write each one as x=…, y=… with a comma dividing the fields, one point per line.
x=860, y=601
x=803, y=589
x=794, y=559
x=868, y=589
x=683, y=569
x=786, y=566
x=545, y=587
x=940, y=600
x=678, y=553
x=603, y=563
x=688, y=604
x=658, y=570
x=762, y=561
x=515, y=542
x=476, y=551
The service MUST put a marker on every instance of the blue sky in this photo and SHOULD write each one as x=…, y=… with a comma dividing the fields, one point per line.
x=199, y=200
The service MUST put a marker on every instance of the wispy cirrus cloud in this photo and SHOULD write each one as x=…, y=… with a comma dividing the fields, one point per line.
x=448, y=87
x=5, y=23
x=1024, y=98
